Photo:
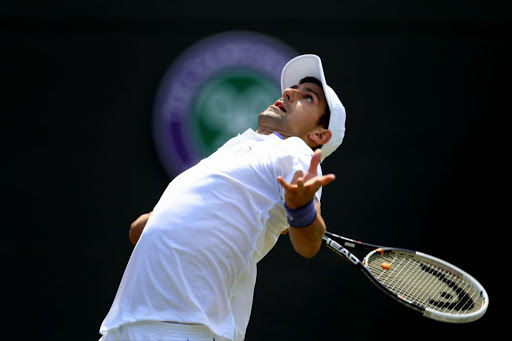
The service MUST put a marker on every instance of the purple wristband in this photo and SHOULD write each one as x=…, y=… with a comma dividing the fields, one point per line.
x=302, y=216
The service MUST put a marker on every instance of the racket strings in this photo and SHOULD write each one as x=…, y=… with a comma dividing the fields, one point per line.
x=425, y=283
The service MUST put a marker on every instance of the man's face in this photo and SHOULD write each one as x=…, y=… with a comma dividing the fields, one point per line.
x=296, y=113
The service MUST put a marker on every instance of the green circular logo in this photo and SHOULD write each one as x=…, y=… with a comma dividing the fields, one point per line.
x=214, y=91
x=228, y=105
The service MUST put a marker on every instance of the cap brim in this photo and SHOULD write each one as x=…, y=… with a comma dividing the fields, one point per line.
x=308, y=65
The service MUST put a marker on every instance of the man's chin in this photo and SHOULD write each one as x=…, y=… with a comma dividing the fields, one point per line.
x=270, y=112
x=271, y=121
x=269, y=117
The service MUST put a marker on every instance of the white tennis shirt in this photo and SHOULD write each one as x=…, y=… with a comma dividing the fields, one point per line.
x=196, y=259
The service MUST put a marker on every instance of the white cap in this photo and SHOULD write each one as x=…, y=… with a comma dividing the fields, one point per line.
x=310, y=65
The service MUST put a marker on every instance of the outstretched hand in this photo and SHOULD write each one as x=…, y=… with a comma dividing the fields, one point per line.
x=303, y=187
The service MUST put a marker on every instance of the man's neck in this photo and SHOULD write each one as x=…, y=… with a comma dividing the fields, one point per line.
x=264, y=131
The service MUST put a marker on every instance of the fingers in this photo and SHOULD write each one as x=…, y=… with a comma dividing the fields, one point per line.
x=317, y=182
x=283, y=183
x=297, y=176
x=310, y=182
x=300, y=183
x=311, y=185
x=288, y=187
x=327, y=179
x=315, y=160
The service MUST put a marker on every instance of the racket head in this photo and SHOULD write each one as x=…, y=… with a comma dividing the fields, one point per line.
x=438, y=289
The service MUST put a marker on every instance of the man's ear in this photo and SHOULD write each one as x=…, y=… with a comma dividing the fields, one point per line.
x=320, y=136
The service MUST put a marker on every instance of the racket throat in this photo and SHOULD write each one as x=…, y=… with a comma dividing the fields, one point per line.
x=342, y=251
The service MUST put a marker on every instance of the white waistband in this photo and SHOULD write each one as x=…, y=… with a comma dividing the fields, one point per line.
x=192, y=331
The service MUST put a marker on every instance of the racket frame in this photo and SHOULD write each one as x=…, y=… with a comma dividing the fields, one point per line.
x=336, y=243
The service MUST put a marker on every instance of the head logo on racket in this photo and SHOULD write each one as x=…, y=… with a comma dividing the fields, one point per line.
x=457, y=300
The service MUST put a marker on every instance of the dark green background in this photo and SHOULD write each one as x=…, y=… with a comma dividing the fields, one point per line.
x=423, y=166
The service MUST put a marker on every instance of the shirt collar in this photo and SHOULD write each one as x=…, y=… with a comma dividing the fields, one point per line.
x=279, y=135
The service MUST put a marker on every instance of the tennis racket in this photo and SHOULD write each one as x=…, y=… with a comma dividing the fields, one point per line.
x=426, y=284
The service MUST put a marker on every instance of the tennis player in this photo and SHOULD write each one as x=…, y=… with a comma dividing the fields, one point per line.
x=192, y=272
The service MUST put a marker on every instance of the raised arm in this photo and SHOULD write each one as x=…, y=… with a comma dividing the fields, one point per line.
x=298, y=197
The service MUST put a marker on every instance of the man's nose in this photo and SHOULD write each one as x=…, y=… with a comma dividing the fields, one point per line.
x=290, y=94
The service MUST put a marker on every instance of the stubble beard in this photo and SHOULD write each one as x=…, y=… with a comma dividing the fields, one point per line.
x=270, y=121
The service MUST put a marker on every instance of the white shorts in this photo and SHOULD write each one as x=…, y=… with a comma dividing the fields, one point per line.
x=152, y=331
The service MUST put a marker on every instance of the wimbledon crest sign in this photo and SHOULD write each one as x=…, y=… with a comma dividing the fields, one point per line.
x=214, y=91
